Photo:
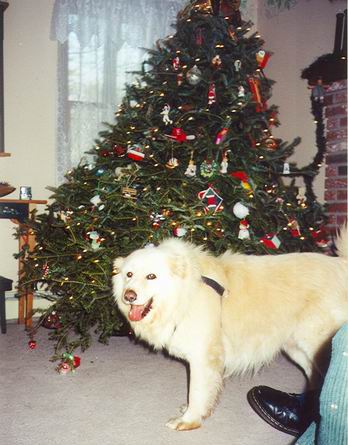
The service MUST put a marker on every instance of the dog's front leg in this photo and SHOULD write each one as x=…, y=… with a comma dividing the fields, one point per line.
x=205, y=384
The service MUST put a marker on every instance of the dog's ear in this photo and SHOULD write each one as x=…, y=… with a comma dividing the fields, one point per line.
x=178, y=265
x=117, y=265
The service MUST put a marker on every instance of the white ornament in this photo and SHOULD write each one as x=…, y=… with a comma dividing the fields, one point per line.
x=243, y=230
x=286, y=168
x=224, y=165
x=165, y=112
x=191, y=169
x=237, y=65
x=240, y=210
x=241, y=91
x=95, y=200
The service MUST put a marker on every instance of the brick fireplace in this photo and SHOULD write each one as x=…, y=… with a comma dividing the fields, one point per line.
x=335, y=113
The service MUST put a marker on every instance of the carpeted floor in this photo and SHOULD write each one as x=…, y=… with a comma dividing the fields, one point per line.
x=122, y=394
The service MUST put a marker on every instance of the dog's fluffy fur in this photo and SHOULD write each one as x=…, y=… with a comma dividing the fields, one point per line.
x=292, y=303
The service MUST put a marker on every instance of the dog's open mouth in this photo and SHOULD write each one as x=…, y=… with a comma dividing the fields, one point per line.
x=139, y=311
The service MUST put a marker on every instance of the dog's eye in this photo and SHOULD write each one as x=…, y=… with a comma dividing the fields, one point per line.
x=129, y=274
x=151, y=276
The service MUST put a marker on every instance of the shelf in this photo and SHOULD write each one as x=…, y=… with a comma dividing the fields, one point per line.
x=4, y=155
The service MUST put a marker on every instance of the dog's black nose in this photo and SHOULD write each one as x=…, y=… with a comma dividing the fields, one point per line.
x=130, y=295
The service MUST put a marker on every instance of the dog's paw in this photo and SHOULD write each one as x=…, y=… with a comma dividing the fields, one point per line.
x=183, y=408
x=179, y=424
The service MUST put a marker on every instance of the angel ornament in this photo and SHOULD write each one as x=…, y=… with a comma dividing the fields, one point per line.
x=165, y=112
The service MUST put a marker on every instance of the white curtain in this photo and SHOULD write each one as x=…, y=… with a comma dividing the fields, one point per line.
x=99, y=43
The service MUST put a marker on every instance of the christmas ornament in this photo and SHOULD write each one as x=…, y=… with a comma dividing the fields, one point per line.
x=104, y=153
x=52, y=321
x=191, y=169
x=271, y=241
x=128, y=192
x=254, y=85
x=179, y=231
x=211, y=94
x=136, y=153
x=32, y=344
x=216, y=61
x=286, y=168
x=262, y=58
x=96, y=240
x=270, y=143
x=178, y=135
x=246, y=182
x=176, y=63
x=45, y=270
x=294, y=227
x=221, y=136
x=237, y=65
x=211, y=199
x=320, y=237
x=123, y=171
x=157, y=219
x=209, y=168
x=240, y=210
x=165, y=113
x=224, y=163
x=243, y=230
x=301, y=196
x=100, y=172
x=68, y=364
x=119, y=151
x=172, y=163
x=241, y=91
x=230, y=10
x=95, y=200
x=194, y=75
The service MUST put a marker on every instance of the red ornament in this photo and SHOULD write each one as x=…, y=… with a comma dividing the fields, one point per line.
x=262, y=58
x=136, y=153
x=119, y=150
x=63, y=368
x=211, y=94
x=254, y=85
x=32, y=344
x=271, y=241
x=221, y=136
x=179, y=135
x=241, y=175
x=76, y=361
x=104, y=153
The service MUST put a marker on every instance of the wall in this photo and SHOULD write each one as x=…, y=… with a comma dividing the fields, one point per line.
x=30, y=97
x=297, y=37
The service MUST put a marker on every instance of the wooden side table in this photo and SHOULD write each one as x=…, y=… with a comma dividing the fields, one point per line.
x=18, y=210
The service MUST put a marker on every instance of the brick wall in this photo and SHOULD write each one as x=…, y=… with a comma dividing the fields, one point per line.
x=336, y=154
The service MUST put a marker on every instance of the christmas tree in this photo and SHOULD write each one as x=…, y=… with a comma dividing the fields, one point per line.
x=191, y=154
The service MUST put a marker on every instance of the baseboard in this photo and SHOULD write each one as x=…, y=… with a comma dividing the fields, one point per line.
x=11, y=302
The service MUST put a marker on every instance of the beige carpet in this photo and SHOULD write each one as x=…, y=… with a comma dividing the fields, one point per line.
x=122, y=394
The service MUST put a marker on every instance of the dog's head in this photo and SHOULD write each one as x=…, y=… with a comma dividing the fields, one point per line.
x=150, y=280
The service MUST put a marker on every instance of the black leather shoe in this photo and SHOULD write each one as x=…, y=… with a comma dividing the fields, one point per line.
x=289, y=413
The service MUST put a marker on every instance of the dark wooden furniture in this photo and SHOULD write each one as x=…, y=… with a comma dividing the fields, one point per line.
x=5, y=284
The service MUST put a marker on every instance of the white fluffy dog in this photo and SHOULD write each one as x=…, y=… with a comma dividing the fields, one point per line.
x=233, y=313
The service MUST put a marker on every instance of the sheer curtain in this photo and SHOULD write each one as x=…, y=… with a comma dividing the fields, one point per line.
x=99, y=42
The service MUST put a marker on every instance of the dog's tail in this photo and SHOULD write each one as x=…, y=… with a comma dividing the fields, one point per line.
x=342, y=242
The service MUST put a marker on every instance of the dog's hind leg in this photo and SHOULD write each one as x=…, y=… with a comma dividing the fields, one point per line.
x=308, y=359
x=205, y=385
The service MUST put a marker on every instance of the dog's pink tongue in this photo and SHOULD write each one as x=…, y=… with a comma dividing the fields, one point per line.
x=136, y=312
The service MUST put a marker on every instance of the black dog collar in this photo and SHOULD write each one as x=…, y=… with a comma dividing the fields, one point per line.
x=214, y=285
